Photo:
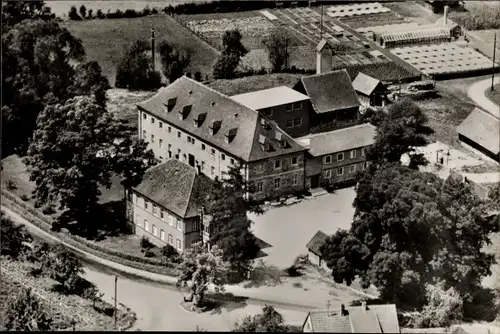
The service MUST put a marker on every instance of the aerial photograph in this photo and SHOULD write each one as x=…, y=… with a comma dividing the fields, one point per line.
x=325, y=166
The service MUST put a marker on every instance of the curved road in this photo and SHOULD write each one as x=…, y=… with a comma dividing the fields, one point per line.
x=476, y=93
x=157, y=304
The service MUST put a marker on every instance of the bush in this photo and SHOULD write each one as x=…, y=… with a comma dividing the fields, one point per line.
x=297, y=285
x=223, y=6
x=478, y=18
x=149, y=253
x=25, y=197
x=146, y=244
x=48, y=210
x=11, y=185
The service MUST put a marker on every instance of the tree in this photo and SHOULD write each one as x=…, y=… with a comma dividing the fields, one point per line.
x=66, y=268
x=73, y=14
x=200, y=268
x=76, y=148
x=174, y=62
x=412, y=229
x=232, y=51
x=92, y=293
x=26, y=313
x=404, y=128
x=89, y=79
x=15, y=11
x=135, y=69
x=40, y=66
x=100, y=14
x=228, y=206
x=269, y=320
x=83, y=11
x=13, y=238
x=90, y=14
x=277, y=46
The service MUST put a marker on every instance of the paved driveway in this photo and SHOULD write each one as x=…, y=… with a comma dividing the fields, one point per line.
x=288, y=229
x=476, y=93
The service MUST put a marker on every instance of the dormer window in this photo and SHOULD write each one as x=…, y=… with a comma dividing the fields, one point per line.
x=184, y=112
x=171, y=104
x=214, y=127
x=264, y=143
x=199, y=118
x=230, y=134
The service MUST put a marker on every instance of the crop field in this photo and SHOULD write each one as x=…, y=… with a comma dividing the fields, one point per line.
x=105, y=40
x=376, y=19
x=368, y=30
x=443, y=58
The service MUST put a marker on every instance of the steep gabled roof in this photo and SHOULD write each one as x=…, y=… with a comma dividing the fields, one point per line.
x=314, y=245
x=365, y=84
x=329, y=91
x=175, y=186
x=221, y=110
x=482, y=128
x=322, y=44
x=271, y=97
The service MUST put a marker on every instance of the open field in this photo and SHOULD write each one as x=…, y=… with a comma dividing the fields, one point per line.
x=413, y=11
x=105, y=40
x=494, y=95
x=371, y=20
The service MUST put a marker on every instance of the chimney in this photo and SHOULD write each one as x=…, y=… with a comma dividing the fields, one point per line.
x=445, y=21
x=342, y=309
x=363, y=305
x=153, y=47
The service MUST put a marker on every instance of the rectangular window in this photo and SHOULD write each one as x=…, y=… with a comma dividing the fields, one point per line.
x=295, y=179
x=328, y=159
x=136, y=219
x=179, y=224
x=297, y=121
x=160, y=142
x=213, y=152
x=160, y=124
x=144, y=135
x=162, y=235
x=193, y=141
x=295, y=161
x=169, y=129
x=188, y=139
x=203, y=147
x=259, y=186
x=146, y=203
x=203, y=165
x=277, y=164
x=162, y=215
x=146, y=225
x=144, y=115
x=277, y=183
x=154, y=230
x=364, y=165
x=170, y=239
x=212, y=170
x=178, y=134
x=297, y=105
x=152, y=120
x=328, y=173
x=362, y=151
x=340, y=171
x=195, y=226
x=260, y=168
x=289, y=107
x=340, y=156
x=353, y=154
x=289, y=123
x=223, y=156
x=352, y=169
x=171, y=220
x=154, y=209
x=232, y=161
x=152, y=139
x=136, y=199
x=179, y=244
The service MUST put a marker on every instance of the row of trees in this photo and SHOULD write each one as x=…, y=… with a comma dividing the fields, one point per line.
x=83, y=14
x=415, y=237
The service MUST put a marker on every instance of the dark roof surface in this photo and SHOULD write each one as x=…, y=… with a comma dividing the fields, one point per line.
x=330, y=91
x=387, y=71
x=218, y=107
x=375, y=319
x=316, y=242
x=365, y=84
x=175, y=186
x=482, y=128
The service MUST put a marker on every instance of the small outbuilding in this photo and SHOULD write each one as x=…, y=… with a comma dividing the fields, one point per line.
x=371, y=91
x=314, y=249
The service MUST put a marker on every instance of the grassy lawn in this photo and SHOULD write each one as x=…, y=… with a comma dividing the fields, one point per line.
x=219, y=16
x=413, y=11
x=256, y=82
x=494, y=95
x=105, y=40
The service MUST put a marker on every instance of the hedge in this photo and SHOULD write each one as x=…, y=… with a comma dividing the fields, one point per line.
x=147, y=264
x=118, y=14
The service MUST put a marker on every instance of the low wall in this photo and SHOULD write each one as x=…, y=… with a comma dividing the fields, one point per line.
x=30, y=213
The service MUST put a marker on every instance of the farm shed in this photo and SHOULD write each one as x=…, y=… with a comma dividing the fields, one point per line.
x=422, y=35
x=313, y=249
x=480, y=130
x=371, y=91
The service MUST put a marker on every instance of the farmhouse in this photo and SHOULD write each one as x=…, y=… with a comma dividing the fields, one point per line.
x=480, y=131
x=287, y=107
x=334, y=157
x=190, y=122
x=165, y=205
x=314, y=249
x=333, y=100
x=371, y=92
x=355, y=319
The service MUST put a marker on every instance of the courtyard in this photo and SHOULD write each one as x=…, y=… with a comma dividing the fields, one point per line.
x=288, y=229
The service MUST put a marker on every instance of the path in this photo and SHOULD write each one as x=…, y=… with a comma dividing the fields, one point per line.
x=476, y=93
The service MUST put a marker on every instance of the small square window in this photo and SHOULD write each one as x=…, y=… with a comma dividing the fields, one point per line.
x=295, y=161
x=340, y=171
x=277, y=164
x=297, y=121
x=328, y=159
x=203, y=147
x=340, y=156
x=289, y=107
x=297, y=105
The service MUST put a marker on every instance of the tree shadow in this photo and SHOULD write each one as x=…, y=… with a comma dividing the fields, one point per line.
x=225, y=300
x=482, y=307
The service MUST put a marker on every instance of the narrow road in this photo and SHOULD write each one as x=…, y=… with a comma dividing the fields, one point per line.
x=157, y=304
x=476, y=93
